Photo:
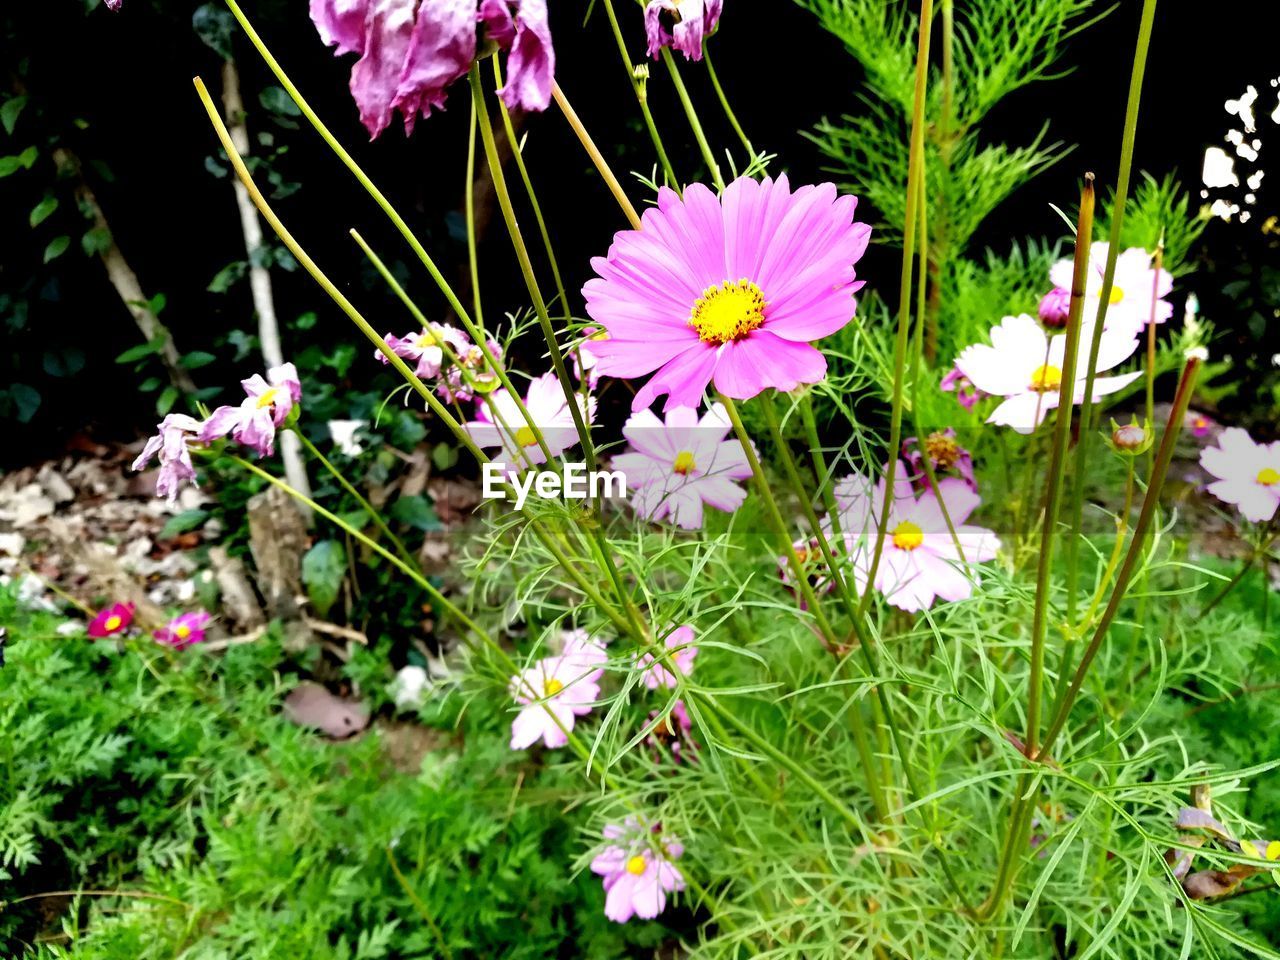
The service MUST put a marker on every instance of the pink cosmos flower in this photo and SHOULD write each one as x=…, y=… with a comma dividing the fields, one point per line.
x=267, y=405
x=585, y=362
x=471, y=359
x=184, y=630
x=1248, y=473
x=553, y=693
x=638, y=870
x=656, y=674
x=920, y=562
x=1199, y=425
x=1055, y=307
x=680, y=24
x=967, y=395
x=170, y=445
x=677, y=466
x=731, y=290
x=1025, y=367
x=424, y=347
x=412, y=51
x=945, y=456
x=550, y=413
x=112, y=620
x=1130, y=304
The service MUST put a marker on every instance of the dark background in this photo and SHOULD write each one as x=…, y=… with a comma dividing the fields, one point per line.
x=129, y=77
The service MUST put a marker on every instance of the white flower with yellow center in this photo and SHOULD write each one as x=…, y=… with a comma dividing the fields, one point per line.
x=500, y=423
x=1248, y=473
x=1136, y=292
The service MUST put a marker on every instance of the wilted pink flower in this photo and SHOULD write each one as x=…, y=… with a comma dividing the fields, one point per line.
x=638, y=870
x=1025, y=367
x=656, y=674
x=945, y=457
x=731, y=290
x=677, y=466
x=550, y=413
x=1055, y=307
x=1130, y=304
x=967, y=395
x=672, y=737
x=267, y=405
x=680, y=24
x=1199, y=425
x=113, y=4
x=170, y=445
x=424, y=347
x=184, y=630
x=553, y=693
x=112, y=620
x=1248, y=473
x=472, y=374
x=412, y=51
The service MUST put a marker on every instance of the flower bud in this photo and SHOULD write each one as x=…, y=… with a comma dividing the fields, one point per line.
x=1131, y=439
x=1055, y=307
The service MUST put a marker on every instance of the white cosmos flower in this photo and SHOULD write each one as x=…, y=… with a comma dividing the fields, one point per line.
x=1248, y=473
x=1130, y=304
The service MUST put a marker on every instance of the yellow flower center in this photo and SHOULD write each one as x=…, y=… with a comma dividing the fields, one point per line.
x=942, y=450
x=182, y=631
x=1267, y=477
x=635, y=866
x=112, y=623
x=907, y=536
x=728, y=312
x=424, y=340
x=1046, y=378
x=1117, y=294
x=684, y=464
x=525, y=437
x=268, y=398
x=552, y=687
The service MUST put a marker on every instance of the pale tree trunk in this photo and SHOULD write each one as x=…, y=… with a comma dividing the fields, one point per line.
x=259, y=276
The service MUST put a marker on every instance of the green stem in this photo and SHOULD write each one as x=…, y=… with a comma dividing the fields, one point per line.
x=724, y=102
x=1236, y=580
x=639, y=86
x=692, y=115
x=472, y=257
x=597, y=158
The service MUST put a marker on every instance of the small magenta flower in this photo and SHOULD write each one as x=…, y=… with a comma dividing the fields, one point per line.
x=677, y=466
x=730, y=290
x=266, y=406
x=552, y=694
x=501, y=424
x=1135, y=292
x=170, y=445
x=114, y=619
x=184, y=630
x=424, y=347
x=945, y=457
x=1199, y=425
x=656, y=674
x=472, y=375
x=638, y=870
x=1248, y=473
x=967, y=395
x=681, y=25
x=1055, y=307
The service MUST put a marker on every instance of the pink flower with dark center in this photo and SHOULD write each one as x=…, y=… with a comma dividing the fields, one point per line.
x=1135, y=292
x=728, y=290
x=638, y=868
x=184, y=630
x=945, y=457
x=266, y=406
x=114, y=619
x=656, y=674
x=1055, y=307
x=967, y=395
x=1248, y=473
x=424, y=347
x=1025, y=367
x=681, y=25
x=170, y=445
x=501, y=424
x=676, y=466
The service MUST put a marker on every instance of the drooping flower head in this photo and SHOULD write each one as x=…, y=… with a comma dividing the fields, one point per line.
x=267, y=404
x=412, y=51
x=967, y=395
x=1025, y=367
x=656, y=673
x=113, y=4
x=1135, y=291
x=638, y=869
x=472, y=375
x=1055, y=307
x=1248, y=473
x=681, y=25
x=676, y=466
x=424, y=347
x=114, y=619
x=184, y=630
x=946, y=457
x=170, y=446
x=501, y=424
x=555, y=691
x=730, y=290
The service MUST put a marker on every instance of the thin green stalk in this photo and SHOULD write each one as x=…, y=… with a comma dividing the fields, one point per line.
x=472, y=257
x=597, y=158
x=638, y=75
x=724, y=101
x=1057, y=465
x=692, y=115
x=365, y=505
x=418, y=905
x=915, y=174
x=1236, y=580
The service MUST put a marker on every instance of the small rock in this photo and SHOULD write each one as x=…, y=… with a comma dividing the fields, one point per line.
x=313, y=706
x=408, y=687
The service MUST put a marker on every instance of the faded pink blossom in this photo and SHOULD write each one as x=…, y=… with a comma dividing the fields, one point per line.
x=552, y=694
x=946, y=457
x=170, y=445
x=967, y=395
x=656, y=674
x=1248, y=473
x=521, y=27
x=425, y=347
x=1135, y=292
x=508, y=429
x=638, y=869
x=266, y=406
x=184, y=630
x=681, y=25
